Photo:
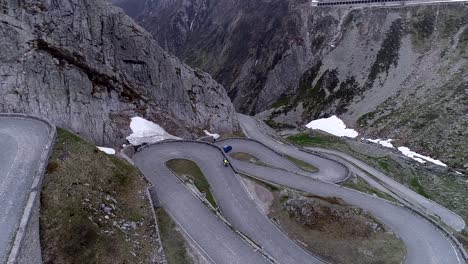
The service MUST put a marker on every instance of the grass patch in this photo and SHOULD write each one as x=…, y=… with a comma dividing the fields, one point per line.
x=361, y=185
x=172, y=241
x=304, y=139
x=243, y=156
x=188, y=169
x=247, y=157
x=74, y=228
x=316, y=139
x=237, y=134
x=444, y=188
x=418, y=187
x=282, y=101
x=305, y=166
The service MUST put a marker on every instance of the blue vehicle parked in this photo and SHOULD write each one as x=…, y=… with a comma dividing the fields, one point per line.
x=227, y=148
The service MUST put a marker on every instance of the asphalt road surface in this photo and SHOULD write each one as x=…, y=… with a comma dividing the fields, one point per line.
x=329, y=170
x=22, y=142
x=450, y=218
x=423, y=241
x=447, y=216
x=220, y=243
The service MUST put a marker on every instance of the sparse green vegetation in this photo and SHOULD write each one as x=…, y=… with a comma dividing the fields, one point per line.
x=358, y=243
x=359, y=184
x=79, y=181
x=173, y=242
x=316, y=139
x=273, y=124
x=422, y=26
x=52, y=166
x=243, y=156
x=282, y=101
x=444, y=188
x=418, y=187
x=188, y=169
x=250, y=158
x=238, y=134
x=364, y=119
x=388, y=53
x=302, y=164
x=304, y=139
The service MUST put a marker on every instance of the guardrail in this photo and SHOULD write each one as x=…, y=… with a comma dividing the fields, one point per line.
x=446, y=232
x=407, y=204
x=349, y=174
x=236, y=171
x=357, y=2
x=253, y=140
x=205, y=201
x=384, y=3
x=27, y=233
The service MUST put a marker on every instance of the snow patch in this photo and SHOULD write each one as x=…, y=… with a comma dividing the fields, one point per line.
x=109, y=151
x=337, y=127
x=386, y=143
x=215, y=136
x=420, y=158
x=144, y=131
x=334, y=126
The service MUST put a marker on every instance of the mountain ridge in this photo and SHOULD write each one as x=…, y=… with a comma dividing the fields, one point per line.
x=87, y=66
x=389, y=72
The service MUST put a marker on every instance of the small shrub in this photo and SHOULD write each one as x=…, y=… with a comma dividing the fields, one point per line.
x=414, y=182
x=52, y=166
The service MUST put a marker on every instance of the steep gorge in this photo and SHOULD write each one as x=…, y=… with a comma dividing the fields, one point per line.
x=88, y=67
x=390, y=72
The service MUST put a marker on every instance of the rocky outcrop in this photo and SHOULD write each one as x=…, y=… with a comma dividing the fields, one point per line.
x=390, y=72
x=320, y=213
x=88, y=67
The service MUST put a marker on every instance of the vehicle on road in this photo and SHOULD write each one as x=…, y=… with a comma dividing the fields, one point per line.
x=227, y=148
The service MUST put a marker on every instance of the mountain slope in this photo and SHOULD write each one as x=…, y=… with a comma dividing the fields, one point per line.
x=391, y=72
x=87, y=66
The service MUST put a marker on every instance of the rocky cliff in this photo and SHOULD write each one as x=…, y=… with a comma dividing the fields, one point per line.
x=87, y=66
x=390, y=72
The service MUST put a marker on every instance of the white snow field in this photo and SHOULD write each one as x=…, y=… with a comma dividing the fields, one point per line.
x=420, y=158
x=215, y=136
x=386, y=143
x=334, y=126
x=109, y=151
x=144, y=131
x=406, y=151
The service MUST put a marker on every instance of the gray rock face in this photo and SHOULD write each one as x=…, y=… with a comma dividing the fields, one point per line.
x=389, y=72
x=88, y=67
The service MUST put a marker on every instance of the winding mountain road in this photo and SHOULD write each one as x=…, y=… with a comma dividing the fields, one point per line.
x=220, y=244
x=424, y=242
x=251, y=128
x=22, y=143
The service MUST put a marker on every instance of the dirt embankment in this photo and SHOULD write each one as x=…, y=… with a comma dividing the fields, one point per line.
x=328, y=226
x=94, y=208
